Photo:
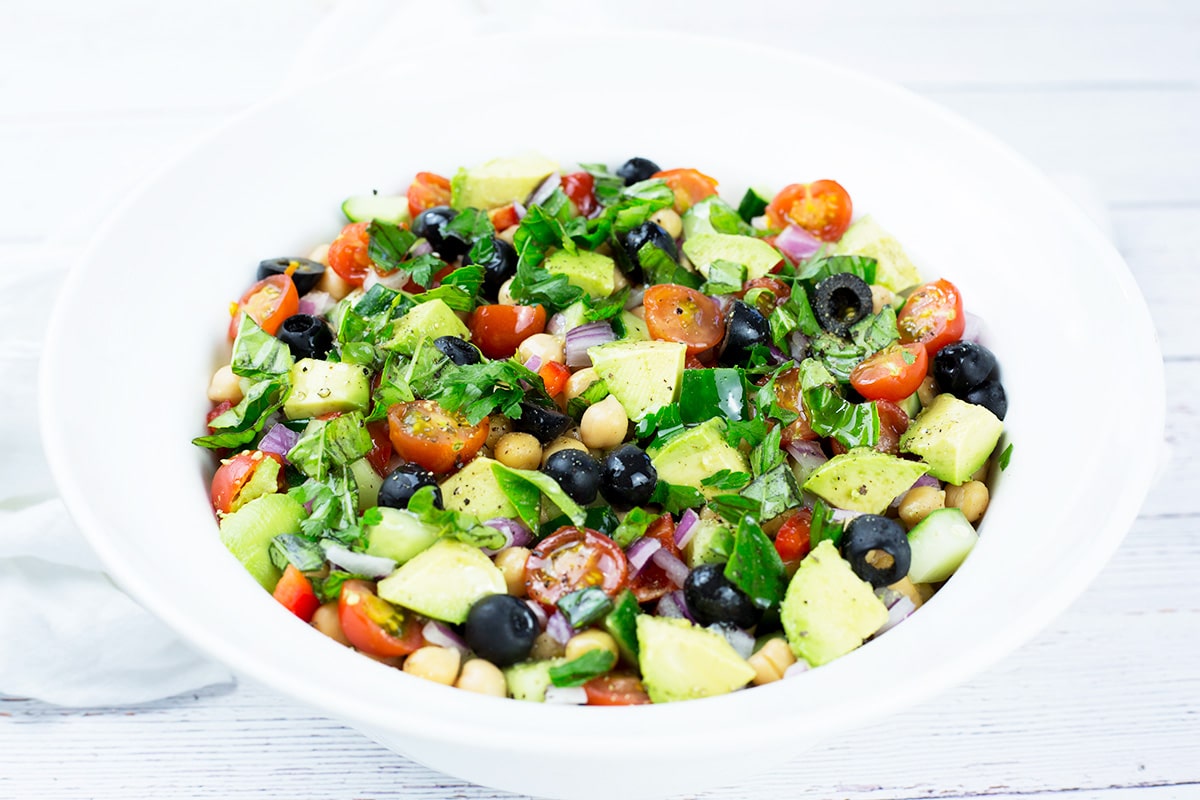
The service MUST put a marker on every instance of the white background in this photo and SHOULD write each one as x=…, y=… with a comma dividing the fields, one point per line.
x=1105, y=703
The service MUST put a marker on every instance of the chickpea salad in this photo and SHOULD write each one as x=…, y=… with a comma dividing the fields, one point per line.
x=600, y=436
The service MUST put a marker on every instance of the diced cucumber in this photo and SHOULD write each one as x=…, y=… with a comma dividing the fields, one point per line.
x=940, y=543
x=529, y=680
x=400, y=535
x=621, y=623
x=248, y=533
x=369, y=483
x=368, y=207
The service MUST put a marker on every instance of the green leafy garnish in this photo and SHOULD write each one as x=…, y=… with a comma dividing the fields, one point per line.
x=300, y=551
x=477, y=390
x=818, y=268
x=511, y=481
x=675, y=498
x=775, y=491
x=328, y=443
x=1005, y=457
x=333, y=504
x=458, y=289
x=584, y=606
x=822, y=526
x=329, y=588
x=607, y=186
x=579, y=671
x=662, y=423
x=605, y=307
x=769, y=453
x=633, y=527
x=596, y=391
x=257, y=354
x=733, y=507
x=754, y=566
x=453, y=524
x=726, y=479
x=389, y=244
x=724, y=277
x=470, y=225
x=243, y=422
x=423, y=268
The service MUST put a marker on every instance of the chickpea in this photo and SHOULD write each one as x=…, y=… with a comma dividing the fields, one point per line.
x=971, y=499
x=437, y=664
x=483, y=677
x=334, y=285
x=320, y=254
x=325, y=619
x=546, y=647
x=669, y=221
x=545, y=346
x=881, y=296
x=580, y=381
x=511, y=563
x=619, y=279
x=562, y=443
x=920, y=502
x=604, y=424
x=592, y=639
x=508, y=233
x=519, y=451
x=504, y=296
x=225, y=386
x=639, y=312
x=927, y=391
x=498, y=426
x=771, y=660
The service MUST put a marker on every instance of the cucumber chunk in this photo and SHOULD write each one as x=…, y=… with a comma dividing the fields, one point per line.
x=940, y=543
x=368, y=207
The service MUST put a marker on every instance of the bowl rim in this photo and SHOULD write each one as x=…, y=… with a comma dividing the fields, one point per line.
x=606, y=727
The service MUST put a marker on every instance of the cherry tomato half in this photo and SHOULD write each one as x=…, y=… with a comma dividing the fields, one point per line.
x=425, y=433
x=503, y=217
x=426, y=191
x=792, y=540
x=233, y=475
x=679, y=314
x=268, y=302
x=498, y=330
x=375, y=626
x=574, y=558
x=579, y=187
x=689, y=185
x=349, y=254
x=381, y=447
x=555, y=376
x=296, y=594
x=787, y=394
x=617, y=689
x=652, y=582
x=822, y=208
x=893, y=373
x=933, y=316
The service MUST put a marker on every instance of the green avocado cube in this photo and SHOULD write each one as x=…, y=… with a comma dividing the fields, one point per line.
x=592, y=272
x=863, y=480
x=643, y=376
x=322, y=387
x=755, y=255
x=399, y=535
x=444, y=581
x=893, y=268
x=953, y=437
x=681, y=661
x=474, y=490
x=828, y=610
x=499, y=182
x=687, y=458
x=430, y=320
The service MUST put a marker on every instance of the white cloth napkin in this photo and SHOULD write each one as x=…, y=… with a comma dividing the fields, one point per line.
x=68, y=635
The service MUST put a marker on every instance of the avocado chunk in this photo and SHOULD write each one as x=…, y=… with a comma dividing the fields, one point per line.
x=399, y=536
x=828, y=610
x=371, y=207
x=643, y=376
x=680, y=661
x=711, y=543
x=953, y=437
x=474, y=490
x=321, y=387
x=429, y=320
x=248, y=533
x=529, y=680
x=893, y=268
x=592, y=272
x=863, y=480
x=368, y=482
x=755, y=255
x=940, y=543
x=689, y=457
x=444, y=581
x=499, y=182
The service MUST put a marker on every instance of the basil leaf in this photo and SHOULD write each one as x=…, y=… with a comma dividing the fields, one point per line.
x=596, y=391
x=726, y=479
x=775, y=490
x=453, y=524
x=326, y=443
x=818, y=269
x=852, y=424
x=524, y=496
x=633, y=527
x=299, y=551
x=257, y=354
x=822, y=526
x=389, y=244
x=579, y=671
x=768, y=454
x=584, y=606
x=547, y=486
x=1005, y=457
x=621, y=624
x=708, y=393
x=607, y=187
x=674, y=498
x=662, y=423
x=329, y=588
x=604, y=308
x=754, y=565
x=243, y=422
x=733, y=507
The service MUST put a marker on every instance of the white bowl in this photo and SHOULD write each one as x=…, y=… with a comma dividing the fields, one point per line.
x=140, y=324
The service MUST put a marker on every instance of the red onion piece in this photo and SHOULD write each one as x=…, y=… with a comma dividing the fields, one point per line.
x=897, y=614
x=359, y=563
x=681, y=601
x=739, y=640
x=580, y=339
x=439, y=634
x=557, y=324
x=675, y=569
x=538, y=612
x=520, y=210
x=777, y=355
x=533, y=363
x=566, y=696
x=668, y=606
x=516, y=533
x=686, y=528
x=798, y=345
x=544, y=190
x=280, y=439
x=317, y=303
x=422, y=248
x=799, y=668
x=635, y=297
x=808, y=454
x=975, y=329
x=558, y=627
x=797, y=243
x=640, y=552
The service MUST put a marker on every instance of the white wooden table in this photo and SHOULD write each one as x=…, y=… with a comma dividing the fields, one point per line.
x=1105, y=703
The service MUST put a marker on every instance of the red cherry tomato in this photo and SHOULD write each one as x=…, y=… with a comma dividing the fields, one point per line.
x=933, y=316
x=381, y=446
x=652, y=582
x=375, y=626
x=579, y=188
x=349, y=253
x=503, y=217
x=792, y=540
x=296, y=594
x=268, y=302
x=424, y=433
x=555, y=376
x=893, y=373
x=787, y=394
x=426, y=191
x=617, y=689
x=679, y=314
x=498, y=330
x=233, y=475
x=574, y=558
x=822, y=208
x=689, y=185
x=893, y=422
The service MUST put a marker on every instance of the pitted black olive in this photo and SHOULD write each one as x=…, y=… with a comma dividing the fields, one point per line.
x=745, y=327
x=576, y=472
x=712, y=598
x=871, y=533
x=543, y=423
x=306, y=275
x=628, y=478
x=500, y=267
x=960, y=367
x=840, y=301
x=306, y=336
x=431, y=223
x=403, y=482
x=459, y=351
x=637, y=169
x=501, y=628
x=647, y=232
x=990, y=395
